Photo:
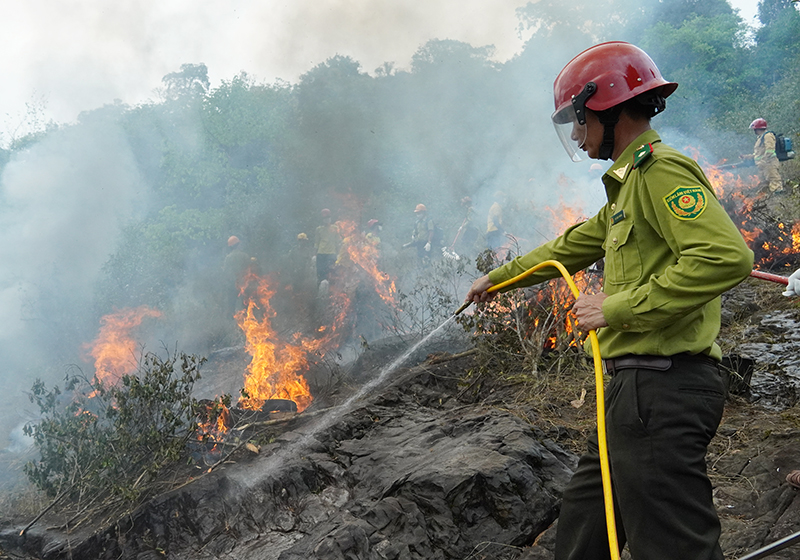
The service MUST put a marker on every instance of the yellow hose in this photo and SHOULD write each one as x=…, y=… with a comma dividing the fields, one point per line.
x=605, y=471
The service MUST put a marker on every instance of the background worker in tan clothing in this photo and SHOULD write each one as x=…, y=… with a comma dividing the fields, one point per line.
x=765, y=158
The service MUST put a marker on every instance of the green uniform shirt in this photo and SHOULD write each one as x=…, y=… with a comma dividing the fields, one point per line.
x=423, y=230
x=670, y=251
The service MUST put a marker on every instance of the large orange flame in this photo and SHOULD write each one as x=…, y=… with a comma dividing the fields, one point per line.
x=275, y=369
x=114, y=348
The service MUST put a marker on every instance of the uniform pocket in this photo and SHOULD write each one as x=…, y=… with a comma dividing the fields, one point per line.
x=623, y=258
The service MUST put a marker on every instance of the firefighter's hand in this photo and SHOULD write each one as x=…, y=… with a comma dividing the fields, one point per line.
x=793, y=288
x=478, y=293
x=428, y=246
x=588, y=309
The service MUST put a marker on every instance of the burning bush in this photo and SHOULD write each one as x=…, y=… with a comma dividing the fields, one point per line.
x=111, y=441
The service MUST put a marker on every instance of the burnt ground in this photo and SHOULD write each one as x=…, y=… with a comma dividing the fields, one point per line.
x=446, y=459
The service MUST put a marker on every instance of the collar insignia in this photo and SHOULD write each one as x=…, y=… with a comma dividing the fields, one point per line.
x=621, y=171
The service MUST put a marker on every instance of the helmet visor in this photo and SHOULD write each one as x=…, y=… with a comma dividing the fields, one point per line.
x=571, y=133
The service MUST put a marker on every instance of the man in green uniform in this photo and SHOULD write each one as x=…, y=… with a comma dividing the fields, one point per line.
x=670, y=250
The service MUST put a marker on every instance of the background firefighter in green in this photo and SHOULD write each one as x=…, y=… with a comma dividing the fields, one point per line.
x=670, y=251
x=422, y=235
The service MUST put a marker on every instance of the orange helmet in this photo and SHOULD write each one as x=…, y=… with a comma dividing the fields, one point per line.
x=233, y=241
x=758, y=124
x=420, y=208
x=601, y=78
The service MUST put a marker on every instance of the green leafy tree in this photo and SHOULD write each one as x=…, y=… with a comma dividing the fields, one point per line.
x=706, y=56
x=776, y=55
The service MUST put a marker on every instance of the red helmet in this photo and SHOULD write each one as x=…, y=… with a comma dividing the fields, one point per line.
x=325, y=213
x=758, y=124
x=599, y=78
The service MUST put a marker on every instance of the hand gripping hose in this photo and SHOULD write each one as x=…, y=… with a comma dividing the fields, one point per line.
x=605, y=471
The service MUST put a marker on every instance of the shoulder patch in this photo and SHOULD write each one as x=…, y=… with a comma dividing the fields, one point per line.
x=687, y=203
x=642, y=154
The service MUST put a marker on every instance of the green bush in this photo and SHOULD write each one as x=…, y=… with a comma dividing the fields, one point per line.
x=113, y=440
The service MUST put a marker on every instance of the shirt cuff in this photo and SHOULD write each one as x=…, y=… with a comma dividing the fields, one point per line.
x=618, y=313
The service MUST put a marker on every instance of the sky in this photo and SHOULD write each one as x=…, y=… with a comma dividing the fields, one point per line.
x=61, y=57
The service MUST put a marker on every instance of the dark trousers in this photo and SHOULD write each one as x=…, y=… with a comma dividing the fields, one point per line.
x=325, y=264
x=495, y=239
x=659, y=425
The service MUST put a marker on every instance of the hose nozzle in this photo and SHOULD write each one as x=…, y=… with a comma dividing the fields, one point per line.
x=462, y=308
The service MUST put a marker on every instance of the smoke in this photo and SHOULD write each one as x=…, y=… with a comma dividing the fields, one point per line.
x=82, y=54
x=65, y=200
x=62, y=203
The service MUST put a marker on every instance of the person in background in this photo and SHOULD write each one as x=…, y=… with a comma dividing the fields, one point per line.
x=302, y=278
x=670, y=251
x=422, y=235
x=235, y=267
x=373, y=233
x=466, y=239
x=326, y=245
x=495, y=233
x=765, y=158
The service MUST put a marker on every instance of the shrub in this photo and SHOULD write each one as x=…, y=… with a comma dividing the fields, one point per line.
x=112, y=440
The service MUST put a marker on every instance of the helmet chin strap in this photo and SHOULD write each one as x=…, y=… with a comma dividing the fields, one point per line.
x=609, y=119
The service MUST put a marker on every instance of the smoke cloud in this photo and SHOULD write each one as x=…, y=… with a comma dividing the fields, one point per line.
x=62, y=204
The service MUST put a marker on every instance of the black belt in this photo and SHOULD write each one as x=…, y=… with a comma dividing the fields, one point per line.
x=658, y=363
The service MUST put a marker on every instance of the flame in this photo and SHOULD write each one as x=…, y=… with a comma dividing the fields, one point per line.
x=563, y=216
x=213, y=425
x=359, y=251
x=274, y=370
x=114, y=348
x=772, y=242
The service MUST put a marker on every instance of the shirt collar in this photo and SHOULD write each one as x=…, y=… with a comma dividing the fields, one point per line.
x=624, y=163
